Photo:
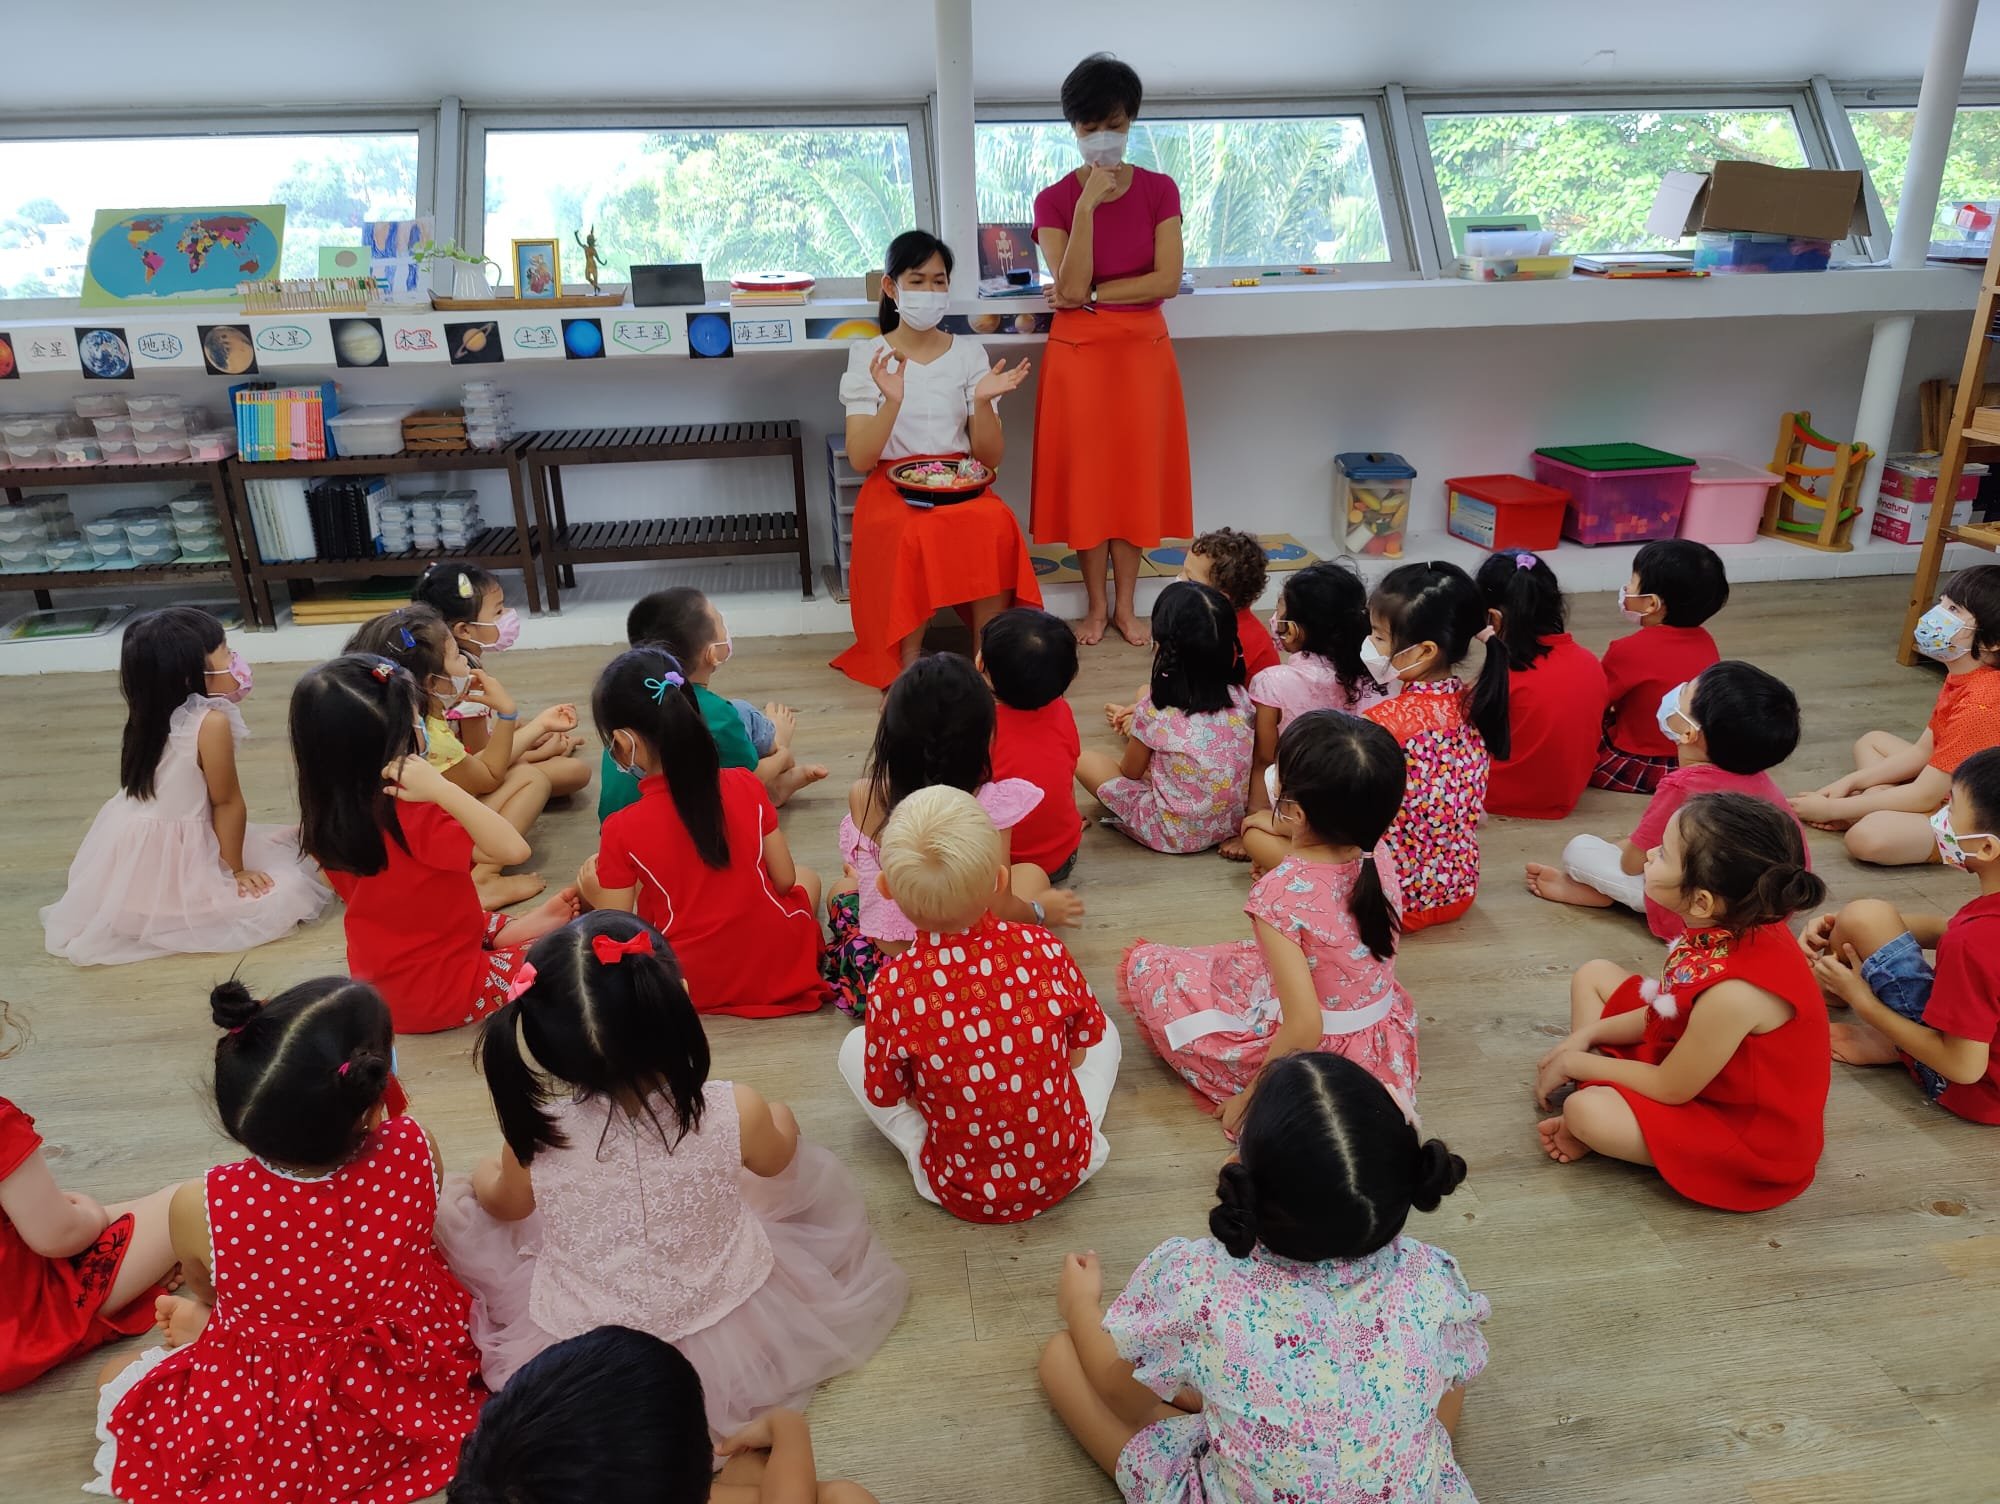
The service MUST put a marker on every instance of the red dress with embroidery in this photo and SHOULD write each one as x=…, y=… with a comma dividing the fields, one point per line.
x=338, y=1364
x=52, y=1309
x=1752, y=1138
x=1435, y=836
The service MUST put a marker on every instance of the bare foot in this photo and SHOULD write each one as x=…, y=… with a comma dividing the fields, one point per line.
x=1564, y=1147
x=1090, y=631
x=784, y=719
x=1863, y=1044
x=543, y=919
x=1233, y=850
x=498, y=890
x=1133, y=630
x=1557, y=886
x=797, y=776
x=178, y=1320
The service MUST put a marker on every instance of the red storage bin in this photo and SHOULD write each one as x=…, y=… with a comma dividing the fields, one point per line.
x=1505, y=511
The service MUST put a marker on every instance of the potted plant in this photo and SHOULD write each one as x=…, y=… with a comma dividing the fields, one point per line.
x=455, y=271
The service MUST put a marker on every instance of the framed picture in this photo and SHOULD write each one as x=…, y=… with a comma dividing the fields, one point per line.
x=537, y=267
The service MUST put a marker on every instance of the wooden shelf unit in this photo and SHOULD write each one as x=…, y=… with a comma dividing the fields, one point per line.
x=492, y=548
x=547, y=453
x=76, y=477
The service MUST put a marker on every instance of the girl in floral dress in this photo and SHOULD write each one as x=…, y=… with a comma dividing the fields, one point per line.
x=1423, y=620
x=1184, y=779
x=1319, y=973
x=337, y=1359
x=1306, y=1351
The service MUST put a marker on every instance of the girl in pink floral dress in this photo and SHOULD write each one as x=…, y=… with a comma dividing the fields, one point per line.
x=1306, y=1351
x=1184, y=780
x=1423, y=620
x=1319, y=973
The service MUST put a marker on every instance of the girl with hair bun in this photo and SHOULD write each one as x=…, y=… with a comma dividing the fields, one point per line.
x=326, y=1352
x=1717, y=1073
x=1306, y=1349
x=1555, y=691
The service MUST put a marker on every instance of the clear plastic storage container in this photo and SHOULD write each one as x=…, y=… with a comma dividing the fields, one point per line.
x=1372, y=501
x=1725, y=500
x=364, y=431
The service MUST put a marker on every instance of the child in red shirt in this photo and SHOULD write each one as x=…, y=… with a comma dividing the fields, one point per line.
x=1555, y=693
x=396, y=837
x=985, y=1057
x=1942, y=1022
x=1729, y=728
x=1885, y=804
x=1029, y=657
x=700, y=857
x=1676, y=585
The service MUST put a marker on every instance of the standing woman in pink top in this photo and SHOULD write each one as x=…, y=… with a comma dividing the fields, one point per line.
x=1111, y=445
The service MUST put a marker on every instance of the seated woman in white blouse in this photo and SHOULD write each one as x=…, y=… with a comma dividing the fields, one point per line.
x=919, y=393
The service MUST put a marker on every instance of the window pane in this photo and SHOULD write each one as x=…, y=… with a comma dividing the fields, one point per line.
x=825, y=199
x=1592, y=177
x=1253, y=192
x=1971, y=167
x=329, y=185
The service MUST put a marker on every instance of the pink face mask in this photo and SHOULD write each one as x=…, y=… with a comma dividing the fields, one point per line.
x=238, y=673
x=508, y=625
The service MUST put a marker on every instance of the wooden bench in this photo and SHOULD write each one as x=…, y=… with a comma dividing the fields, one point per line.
x=545, y=454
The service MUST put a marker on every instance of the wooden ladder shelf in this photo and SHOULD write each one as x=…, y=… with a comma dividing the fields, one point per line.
x=1966, y=428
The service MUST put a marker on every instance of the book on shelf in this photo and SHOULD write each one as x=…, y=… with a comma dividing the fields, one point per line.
x=1636, y=264
x=276, y=423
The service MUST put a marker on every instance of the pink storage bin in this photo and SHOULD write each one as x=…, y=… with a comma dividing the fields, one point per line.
x=1725, y=500
x=1635, y=505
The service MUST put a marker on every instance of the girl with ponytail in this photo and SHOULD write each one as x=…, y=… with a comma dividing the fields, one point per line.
x=632, y=1190
x=1319, y=971
x=1216, y=1374
x=1717, y=1073
x=1423, y=621
x=1555, y=691
x=326, y=1350
x=700, y=856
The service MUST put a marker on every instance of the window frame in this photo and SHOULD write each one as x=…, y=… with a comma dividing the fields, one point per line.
x=1848, y=95
x=1390, y=198
x=912, y=115
x=157, y=125
x=1792, y=95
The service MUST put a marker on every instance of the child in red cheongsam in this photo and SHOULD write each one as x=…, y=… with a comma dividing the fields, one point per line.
x=985, y=1058
x=1716, y=1074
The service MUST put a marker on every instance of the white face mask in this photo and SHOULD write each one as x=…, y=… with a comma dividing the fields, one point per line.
x=921, y=310
x=1625, y=599
x=1103, y=148
x=1672, y=719
x=1378, y=662
x=1271, y=784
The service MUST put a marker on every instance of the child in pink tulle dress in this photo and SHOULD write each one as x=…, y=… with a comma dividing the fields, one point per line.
x=633, y=1191
x=171, y=865
x=1320, y=972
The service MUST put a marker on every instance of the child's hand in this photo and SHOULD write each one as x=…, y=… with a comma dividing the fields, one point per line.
x=1080, y=1295
x=1840, y=976
x=558, y=718
x=1118, y=717
x=251, y=883
x=1842, y=788
x=414, y=781
x=488, y=691
x=755, y=1437
x=1061, y=907
x=1553, y=1073
x=784, y=722
x=1818, y=934
x=1815, y=809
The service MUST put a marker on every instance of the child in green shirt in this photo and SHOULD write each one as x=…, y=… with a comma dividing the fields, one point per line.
x=688, y=625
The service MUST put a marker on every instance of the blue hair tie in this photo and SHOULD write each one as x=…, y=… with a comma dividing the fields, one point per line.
x=660, y=686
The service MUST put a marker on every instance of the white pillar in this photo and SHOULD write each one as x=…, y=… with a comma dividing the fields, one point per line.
x=957, y=198
x=1875, y=416
x=1930, y=139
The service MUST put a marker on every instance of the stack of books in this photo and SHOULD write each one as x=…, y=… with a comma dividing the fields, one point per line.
x=333, y=519
x=1638, y=264
x=283, y=422
x=769, y=289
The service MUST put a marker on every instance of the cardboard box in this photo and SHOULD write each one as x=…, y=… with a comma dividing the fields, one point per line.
x=1807, y=202
x=1914, y=477
x=1900, y=521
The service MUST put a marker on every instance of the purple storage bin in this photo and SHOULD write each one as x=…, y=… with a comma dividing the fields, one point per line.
x=1618, y=506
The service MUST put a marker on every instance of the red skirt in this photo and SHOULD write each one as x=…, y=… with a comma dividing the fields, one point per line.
x=1111, y=442
x=58, y=1304
x=908, y=562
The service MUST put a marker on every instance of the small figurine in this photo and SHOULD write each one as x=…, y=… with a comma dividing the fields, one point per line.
x=587, y=242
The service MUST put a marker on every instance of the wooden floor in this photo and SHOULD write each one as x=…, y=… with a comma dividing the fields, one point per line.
x=1841, y=1348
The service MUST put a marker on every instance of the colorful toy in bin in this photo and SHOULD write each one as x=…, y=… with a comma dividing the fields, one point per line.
x=1372, y=498
x=1814, y=506
x=1505, y=511
x=1619, y=493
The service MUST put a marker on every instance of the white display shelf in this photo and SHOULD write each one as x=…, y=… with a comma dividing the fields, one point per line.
x=167, y=341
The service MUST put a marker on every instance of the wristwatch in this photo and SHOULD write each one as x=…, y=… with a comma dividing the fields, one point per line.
x=1041, y=914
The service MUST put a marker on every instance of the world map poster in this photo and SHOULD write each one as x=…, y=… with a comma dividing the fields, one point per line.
x=181, y=256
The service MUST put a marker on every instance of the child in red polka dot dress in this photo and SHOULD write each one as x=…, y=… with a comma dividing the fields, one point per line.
x=985, y=1057
x=327, y=1354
